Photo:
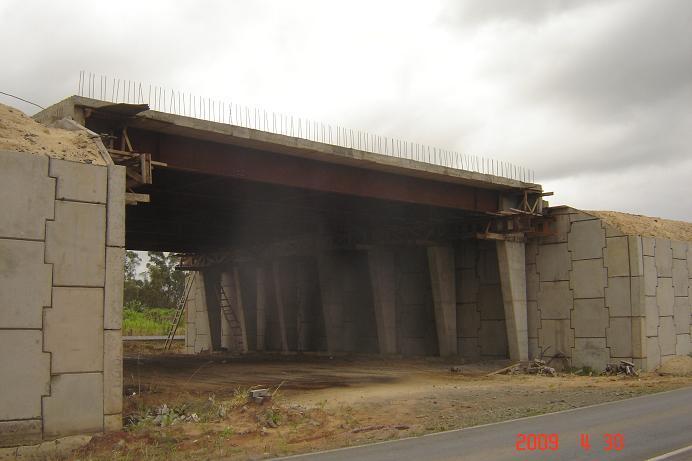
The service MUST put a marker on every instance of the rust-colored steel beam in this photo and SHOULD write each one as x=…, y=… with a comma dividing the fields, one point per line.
x=254, y=165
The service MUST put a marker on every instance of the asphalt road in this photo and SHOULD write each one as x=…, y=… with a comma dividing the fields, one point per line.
x=650, y=426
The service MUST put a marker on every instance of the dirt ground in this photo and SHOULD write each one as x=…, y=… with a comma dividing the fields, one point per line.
x=322, y=402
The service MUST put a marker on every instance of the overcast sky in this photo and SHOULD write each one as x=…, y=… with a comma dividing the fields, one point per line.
x=595, y=96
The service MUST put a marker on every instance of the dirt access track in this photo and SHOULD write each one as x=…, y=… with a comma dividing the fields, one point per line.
x=321, y=402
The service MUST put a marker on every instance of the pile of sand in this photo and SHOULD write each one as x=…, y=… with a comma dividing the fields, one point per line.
x=20, y=133
x=680, y=365
x=634, y=224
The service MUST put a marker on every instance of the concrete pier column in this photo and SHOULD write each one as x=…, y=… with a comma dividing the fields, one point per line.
x=233, y=328
x=511, y=263
x=331, y=291
x=443, y=280
x=211, y=291
x=261, y=308
x=280, y=310
x=383, y=281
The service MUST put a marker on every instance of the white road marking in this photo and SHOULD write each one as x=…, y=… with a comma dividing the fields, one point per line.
x=671, y=454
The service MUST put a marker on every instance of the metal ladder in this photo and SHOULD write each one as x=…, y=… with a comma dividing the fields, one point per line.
x=179, y=311
x=234, y=323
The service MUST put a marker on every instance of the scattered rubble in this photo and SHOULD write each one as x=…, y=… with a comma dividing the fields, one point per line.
x=534, y=367
x=259, y=395
x=623, y=368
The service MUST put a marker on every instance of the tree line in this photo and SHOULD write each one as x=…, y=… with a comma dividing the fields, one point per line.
x=159, y=286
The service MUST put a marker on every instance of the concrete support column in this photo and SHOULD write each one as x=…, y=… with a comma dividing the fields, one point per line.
x=512, y=267
x=280, y=311
x=261, y=308
x=383, y=281
x=332, y=300
x=233, y=329
x=442, y=278
x=211, y=291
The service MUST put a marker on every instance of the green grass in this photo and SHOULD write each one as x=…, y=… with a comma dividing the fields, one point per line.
x=151, y=321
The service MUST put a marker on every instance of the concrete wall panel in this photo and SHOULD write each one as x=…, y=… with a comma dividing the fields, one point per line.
x=665, y=296
x=75, y=405
x=618, y=296
x=22, y=432
x=666, y=336
x=115, y=226
x=469, y=348
x=24, y=284
x=652, y=316
x=555, y=300
x=679, y=249
x=553, y=262
x=79, y=181
x=113, y=293
x=648, y=246
x=682, y=345
x=619, y=337
x=533, y=318
x=681, y=315
x=616, y=257
x=557, y=335
x=681, y=279
x=25, y=371
x=589, y=318
x=590, y=352
x=664, y=258
x=650, y=277
x=112, y=372
x=653, y=353
x=589, y=278
x=468, y=320
x=586, y=239
x=634, y=244
x=490, y=303
x=27, y=193
x=493, y=338
x=73, y=330
x=75, y=244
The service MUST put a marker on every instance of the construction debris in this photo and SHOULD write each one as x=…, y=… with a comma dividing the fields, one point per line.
x=534, y=367
x=260, y=395
x=623, y=368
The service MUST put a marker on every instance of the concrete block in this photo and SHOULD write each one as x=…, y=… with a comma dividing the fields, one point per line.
x=73, y=330
x=75, y=244
x=586, y=240
x=113, y=423
x=53, y=449
x=652, y=316
x=619, y=337
x=558, y=335
x=113, y=291
x=468, y=320
x=648, y=246
x=490, y=302
x=112, y=371
x=681, y=315
x=650, y=277
x=653, y=353
x=590, y=352
x=22, y=432
x=616, y=257
x=666, y=336
x=115, y=228
x=553, y=262
x=679, y=249
x=589, y=318
x=75, y=405
x=555, y=300
x=589, y=278
x=665, y=297
x=682, y=345
x=25, y=371
x=664, y=258
x=634, y=244
x=467, y=286
x=618, y=296
x=638, y=337
x=533, y=319
x=493, y=338
x=681, y=281
x=469, y=347
x=532, y=282
x=79, y=181
x=28, y=195
x=24, y=284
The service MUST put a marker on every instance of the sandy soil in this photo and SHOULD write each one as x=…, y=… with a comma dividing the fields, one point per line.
x=326, y=403
x=634, y=224
x=676, y=366
x=20, y=133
